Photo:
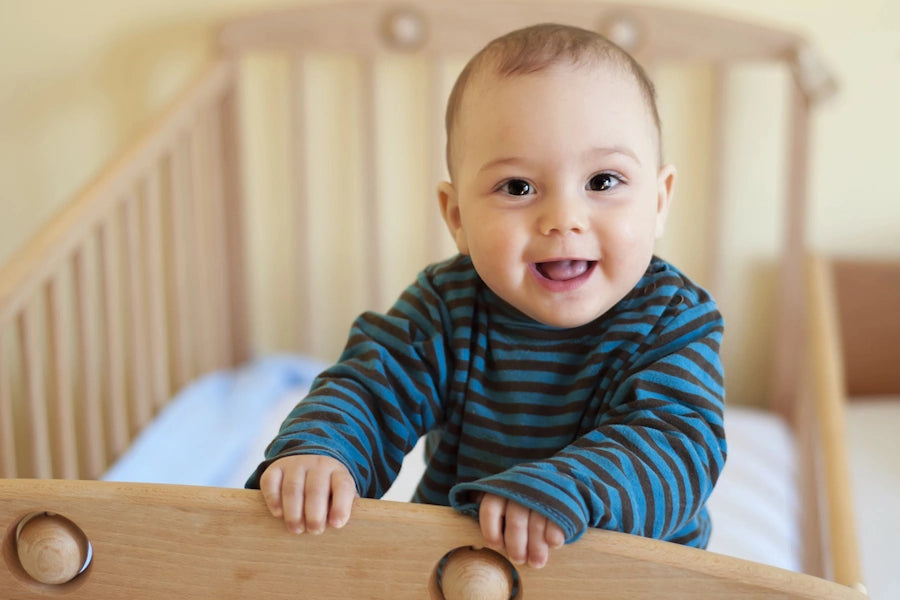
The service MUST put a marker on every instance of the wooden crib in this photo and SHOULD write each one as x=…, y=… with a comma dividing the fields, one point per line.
x=151, y=277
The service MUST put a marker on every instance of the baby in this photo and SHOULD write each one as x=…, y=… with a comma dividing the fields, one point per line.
x=566, y=377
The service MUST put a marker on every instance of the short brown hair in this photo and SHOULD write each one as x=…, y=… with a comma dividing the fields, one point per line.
x=539, y=47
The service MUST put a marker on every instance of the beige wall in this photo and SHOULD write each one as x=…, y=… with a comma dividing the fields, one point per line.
x=81, y=79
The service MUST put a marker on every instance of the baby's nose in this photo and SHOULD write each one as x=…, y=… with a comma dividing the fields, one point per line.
x=563, y=215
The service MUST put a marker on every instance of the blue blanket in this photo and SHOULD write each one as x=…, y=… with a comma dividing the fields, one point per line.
x=215, y=430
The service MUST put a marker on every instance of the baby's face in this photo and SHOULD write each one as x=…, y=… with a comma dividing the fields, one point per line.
x=557, y=194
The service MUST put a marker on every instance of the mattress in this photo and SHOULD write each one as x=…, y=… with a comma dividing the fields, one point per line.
x=215, y=432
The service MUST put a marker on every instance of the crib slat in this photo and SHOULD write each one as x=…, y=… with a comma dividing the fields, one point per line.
x=156, y=296
x=436, y=100
x=237, y=307
x=113, y=317
x=714, y=210
x=35, y=394
x=59, y=378
x=8, y=468
x=200, y=249
x=142, y=411
x=218, y=289
x=790, y=310
x=179, y=214
x=92, y=435
x=372, y=218
x=299, y=169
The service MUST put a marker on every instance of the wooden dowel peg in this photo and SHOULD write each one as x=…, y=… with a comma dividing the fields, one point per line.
x=51, y=548
x=470, y=574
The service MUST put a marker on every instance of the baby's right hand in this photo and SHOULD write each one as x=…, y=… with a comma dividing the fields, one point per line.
x=309, y=492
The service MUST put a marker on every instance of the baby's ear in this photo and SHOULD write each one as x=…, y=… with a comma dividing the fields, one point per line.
x=449, y=202
x=665, y=188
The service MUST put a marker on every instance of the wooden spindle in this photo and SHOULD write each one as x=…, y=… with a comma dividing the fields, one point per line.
x=232, y=198
x=92, y=434
x=59, y=377
x=439, y=241
x=368, y=99
x=38, y=433
x=299, y=169
x=114, y=329
x=156, y=301
x=201, y=259
x=142, y=409
x=180, y=254
x=8, y=468
x=715, y=228
x=221, y=325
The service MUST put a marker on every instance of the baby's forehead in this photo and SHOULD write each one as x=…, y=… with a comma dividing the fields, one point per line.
x=488, y=80
x=487, y=88
x=489, y=75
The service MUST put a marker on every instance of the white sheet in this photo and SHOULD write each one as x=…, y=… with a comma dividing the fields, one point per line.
x=873, y=448
x=754, y=507
x=216, y=430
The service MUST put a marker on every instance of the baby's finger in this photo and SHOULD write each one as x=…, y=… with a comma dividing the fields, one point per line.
x=516, y=532
x=293, y=489
x=538, y=550
x=343, y=492
x=317, y=500
x=490, y=517
x=554, y=535
x=270, y=486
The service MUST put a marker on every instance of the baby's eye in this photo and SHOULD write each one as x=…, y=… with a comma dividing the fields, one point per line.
x=602, y=182
x=517, y=187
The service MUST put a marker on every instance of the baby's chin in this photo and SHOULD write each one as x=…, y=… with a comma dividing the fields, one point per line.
x=565, y=319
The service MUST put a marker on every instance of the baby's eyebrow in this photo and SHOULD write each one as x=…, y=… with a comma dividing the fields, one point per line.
x=502, y=161
x=622, y=150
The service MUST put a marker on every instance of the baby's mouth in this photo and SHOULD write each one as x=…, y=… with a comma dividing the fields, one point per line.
x=564, y=270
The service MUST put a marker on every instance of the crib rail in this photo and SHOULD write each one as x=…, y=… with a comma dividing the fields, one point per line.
x=144, y=247
x=158, y=541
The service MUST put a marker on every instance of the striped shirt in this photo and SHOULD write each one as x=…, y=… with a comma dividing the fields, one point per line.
x=615, y=424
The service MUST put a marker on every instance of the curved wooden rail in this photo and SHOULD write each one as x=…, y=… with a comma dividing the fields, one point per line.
x=156, y=541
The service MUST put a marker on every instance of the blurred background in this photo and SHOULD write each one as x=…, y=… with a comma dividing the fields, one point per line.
x=79, y=80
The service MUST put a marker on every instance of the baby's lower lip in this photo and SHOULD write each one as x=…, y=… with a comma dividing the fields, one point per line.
x=563, y=275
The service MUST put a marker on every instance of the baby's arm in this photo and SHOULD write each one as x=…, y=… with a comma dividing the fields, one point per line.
x=652, y=458
x=525, y=535
x=309, y=492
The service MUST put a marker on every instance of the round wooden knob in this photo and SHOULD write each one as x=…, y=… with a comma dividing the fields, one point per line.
x=51, y=548
x=404, y=29
x=470, y=574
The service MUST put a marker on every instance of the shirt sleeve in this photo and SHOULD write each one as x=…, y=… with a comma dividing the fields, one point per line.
x=370, y=408
x=649, y=465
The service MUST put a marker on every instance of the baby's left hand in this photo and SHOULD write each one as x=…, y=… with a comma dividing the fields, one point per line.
x=523, y=534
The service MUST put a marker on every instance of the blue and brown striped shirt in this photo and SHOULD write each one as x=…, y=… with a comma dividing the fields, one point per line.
x=615, y=424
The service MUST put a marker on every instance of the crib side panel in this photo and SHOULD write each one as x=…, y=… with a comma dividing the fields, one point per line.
x=124, y=296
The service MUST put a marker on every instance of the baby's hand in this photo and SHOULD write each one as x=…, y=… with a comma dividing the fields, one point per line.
x=308, y=492
x=525, y=535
